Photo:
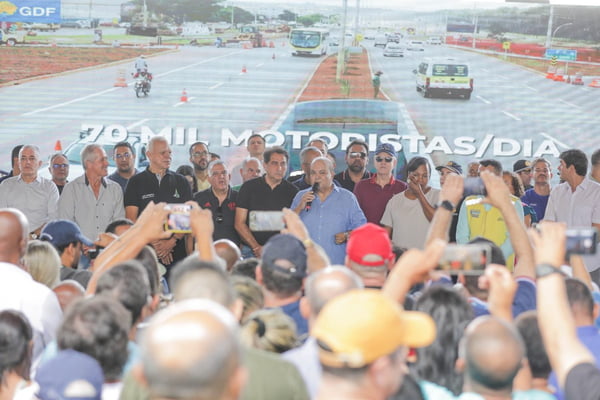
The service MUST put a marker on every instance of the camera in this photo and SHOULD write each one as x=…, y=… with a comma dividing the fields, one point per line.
x=178, y=220
x=466, y=259
x=266, y=221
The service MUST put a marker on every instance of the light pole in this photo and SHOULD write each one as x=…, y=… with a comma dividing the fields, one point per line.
x=340, y=55
x=556, y=30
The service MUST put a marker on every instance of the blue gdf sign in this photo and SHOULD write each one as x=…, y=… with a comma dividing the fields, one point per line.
x=561, y=54
x=43, y=11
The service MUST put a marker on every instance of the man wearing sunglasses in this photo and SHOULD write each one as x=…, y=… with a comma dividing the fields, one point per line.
x=221, y=200
x=357, y=159
x=124, y=158
x=374, y=193
x=59, y=170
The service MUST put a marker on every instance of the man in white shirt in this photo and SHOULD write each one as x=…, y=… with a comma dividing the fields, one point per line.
x=28, y=192
x=19, y=290
x=91, y=200
x=576, y=201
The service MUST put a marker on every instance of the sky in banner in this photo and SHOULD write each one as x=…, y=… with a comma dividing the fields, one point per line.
x=42, y=11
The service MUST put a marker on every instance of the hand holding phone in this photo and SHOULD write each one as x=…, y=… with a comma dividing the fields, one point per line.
x=260, y=221
x=466, y=259
x=178, y=220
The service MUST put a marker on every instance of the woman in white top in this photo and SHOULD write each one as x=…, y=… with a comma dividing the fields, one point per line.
x=408, y=214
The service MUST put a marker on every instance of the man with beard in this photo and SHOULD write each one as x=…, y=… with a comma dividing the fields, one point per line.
x=537, y=197
x=357, y=159
x=158, y=184
x=124, y=158
x=199, y=157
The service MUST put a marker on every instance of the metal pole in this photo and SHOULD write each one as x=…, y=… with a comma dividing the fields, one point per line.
x=356, y=18
x=340, y=56
x=548, y=44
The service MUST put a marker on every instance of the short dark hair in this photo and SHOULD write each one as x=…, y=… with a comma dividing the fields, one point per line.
x=99, y=327
x=61, y=249
x=196, y=144
x=595, y=159
x=275, y=150
x=128, y=283
x=256, y=135
x=112, y=227
x=494, y=164
x=15, y=154
x=246, y=267
x=357, y=142
x=576, y=158
x=15, y=352
x=124, y=143
x=416, y=162
x=516, y=183
x=580, y=295
x=280, y=282
x=527, y=324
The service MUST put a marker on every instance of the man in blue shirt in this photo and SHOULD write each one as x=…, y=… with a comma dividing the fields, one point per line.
x=537, y=197
x=333, y=211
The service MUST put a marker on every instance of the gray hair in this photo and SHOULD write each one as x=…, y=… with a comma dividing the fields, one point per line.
x=307, y=150
x=56, y=155
x=319, y=289
x=248, y=159
x=327, y=162
x=214, y=163
x=155, y=139
x=87, y=154
x=33, y=147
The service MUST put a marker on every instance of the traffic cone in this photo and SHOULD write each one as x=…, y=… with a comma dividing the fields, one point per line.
x=183, y=97
x=595, y=83
x=550, y=73
x=58, y=146
x=559, y=76
x=120, y=82
x=243, y=69
x=578, y=79
x=271, y=44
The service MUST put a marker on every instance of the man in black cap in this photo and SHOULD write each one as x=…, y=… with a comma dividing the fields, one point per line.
x=281, y=274
x=451, y=167
x=68, y=240
x=523, y=169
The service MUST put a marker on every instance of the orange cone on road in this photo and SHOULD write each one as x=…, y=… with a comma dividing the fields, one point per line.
x=559, y=76
x=183, y=97
x=595, y=83
x=58, y=146
x=578, y=79
x=244, y=69
x=550, y=73
x=120, y=82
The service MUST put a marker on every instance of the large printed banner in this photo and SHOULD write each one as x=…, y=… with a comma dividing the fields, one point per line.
x=41, y=11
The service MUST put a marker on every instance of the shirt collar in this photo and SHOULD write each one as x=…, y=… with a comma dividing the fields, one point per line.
x=38, y=178
x=87, y=182
x=373, y=179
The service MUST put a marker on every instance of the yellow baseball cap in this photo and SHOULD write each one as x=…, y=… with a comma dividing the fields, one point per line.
x=362, y=325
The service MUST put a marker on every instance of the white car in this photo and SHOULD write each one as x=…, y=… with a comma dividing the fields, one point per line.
x=393, y=50
x=415, y=45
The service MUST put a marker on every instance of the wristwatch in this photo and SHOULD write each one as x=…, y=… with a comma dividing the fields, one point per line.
x=307, y=243
x=542, y=270
x=446, y=204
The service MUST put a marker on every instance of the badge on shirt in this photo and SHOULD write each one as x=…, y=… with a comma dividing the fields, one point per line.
x=475, y=213
x=147, y=196
x=176, y=194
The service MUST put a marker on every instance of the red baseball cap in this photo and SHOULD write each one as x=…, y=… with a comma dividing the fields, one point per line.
x=369, y=245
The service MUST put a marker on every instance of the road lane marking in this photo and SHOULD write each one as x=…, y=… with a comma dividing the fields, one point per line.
x=183, y=102
x=216, y=86
x=558, y=142
x=511, y=115
x=531, y=88
x=259, y=65
x=568, y=103
x=39, y=110
x=138, y=123
x=484, y=100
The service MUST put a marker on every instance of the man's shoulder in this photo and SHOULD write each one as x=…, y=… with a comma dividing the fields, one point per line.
x=203, y=194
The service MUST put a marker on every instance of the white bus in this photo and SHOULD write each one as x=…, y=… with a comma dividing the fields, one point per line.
x=309, y=41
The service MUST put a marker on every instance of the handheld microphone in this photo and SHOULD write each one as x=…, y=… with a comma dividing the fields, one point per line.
x=315, y=189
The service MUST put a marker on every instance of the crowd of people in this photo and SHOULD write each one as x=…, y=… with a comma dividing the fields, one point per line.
x=108, y=293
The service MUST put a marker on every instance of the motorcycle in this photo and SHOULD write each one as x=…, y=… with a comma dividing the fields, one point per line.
x=142, y=83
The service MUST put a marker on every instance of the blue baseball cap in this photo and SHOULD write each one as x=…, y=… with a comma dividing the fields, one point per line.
x=386, y=148
x=60, y=232
x=285, y=247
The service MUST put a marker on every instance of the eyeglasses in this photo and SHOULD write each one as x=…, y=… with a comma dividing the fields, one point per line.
x=382, y=159
x=358, y=154
x=122, y=155
x=527, y=171
x=217, y=173
x=56, y=166
x=219, y=218
x=200, y=154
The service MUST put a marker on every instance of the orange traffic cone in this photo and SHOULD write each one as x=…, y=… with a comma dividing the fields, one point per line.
x=559, y=76
x=595, y=83
x=183, y=97
x=578, y=79
x=58, y=146
x=550, y=73
x=243, y=69
x=271, y=44
x=120, y=82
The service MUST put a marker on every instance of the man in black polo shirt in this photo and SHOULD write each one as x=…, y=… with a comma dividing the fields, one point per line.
x=357, y=159
x=158, y=184
x=221, y=199
x=271, y=192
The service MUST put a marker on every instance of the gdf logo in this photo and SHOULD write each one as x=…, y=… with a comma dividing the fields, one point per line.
x=37, y=11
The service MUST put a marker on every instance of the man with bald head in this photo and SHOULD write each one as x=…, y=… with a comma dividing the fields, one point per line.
x=333, y=211
x=228, y=251
x=191, y=351
x=490, y=355
x=19, y=290
x=35, y=196
x=321, y=286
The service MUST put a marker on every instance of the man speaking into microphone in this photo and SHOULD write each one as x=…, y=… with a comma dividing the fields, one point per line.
x=329, y=212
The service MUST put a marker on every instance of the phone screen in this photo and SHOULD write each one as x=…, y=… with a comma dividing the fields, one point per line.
x=466, y=259
x=178, y=220
x=582, y=240
x=266, y=221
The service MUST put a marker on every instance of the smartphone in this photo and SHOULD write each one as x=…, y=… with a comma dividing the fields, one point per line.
x=178, y=220
x=266, y=221
x=583, y=240
x=466, y=259
x=93, y=253
x=474, y=186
